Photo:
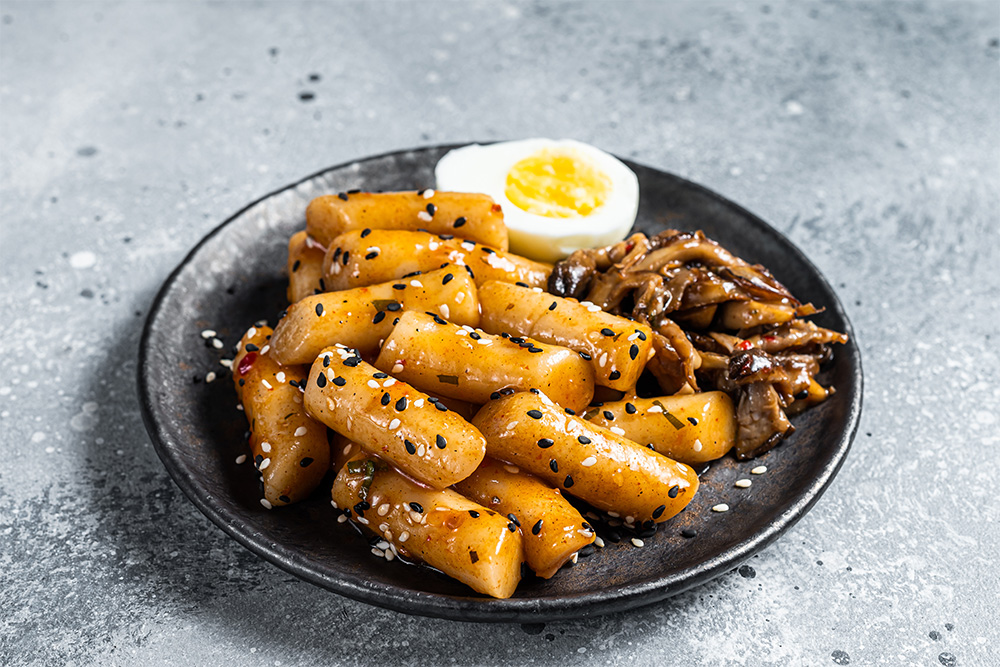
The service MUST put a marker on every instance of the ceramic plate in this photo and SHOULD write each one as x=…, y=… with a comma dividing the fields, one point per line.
x=235, y=276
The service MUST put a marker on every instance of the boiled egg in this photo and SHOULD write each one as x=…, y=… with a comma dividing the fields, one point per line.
x=557, y=196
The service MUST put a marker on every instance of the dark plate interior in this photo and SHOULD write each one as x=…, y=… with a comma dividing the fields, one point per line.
x=235, y=277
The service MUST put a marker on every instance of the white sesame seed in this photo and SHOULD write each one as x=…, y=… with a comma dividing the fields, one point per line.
x=586, y=303
x=265, y=349
x=461, y=332
x=398, y=368
x=373, y=384
x=363, y=520
x=696, y=446
x=445, y=311
x=537, y=290
x=265, y=503
x=484, y=341
x=743, y=483
x=264, y=464
x=759, y=470
x=389, y=382
x=460, y=297
x=633, y=336
x=387, y=532
x=416, y=283
x=210, y=377
x=403, y=536
x=655, y=408
x=428, y=194
x=382, y=544
x=389, y=555
x=265, y=447
x=589, y=461
x=347, y=449
x=425, y=216
x=241, y=458
x=574, y=557
x=594, y=309
x=421, y=450
x=300, y=431
x=342, y=518
x=266, y=384
x=217, y=344
x=419, y=403
x=394, y=424
x=378, y=553
x=603, y=360
x=637, y=542
x=721, y=507
x=333, y=504
x=280, y=376
x=208, y=333
x=629, y=519
x=250, y=334
x=226, y=363
x=618, y=430
x=598, y=542
x=433, y=245
x=511, y=469
x=239, y=407
x=614, y=515
x=467, y=245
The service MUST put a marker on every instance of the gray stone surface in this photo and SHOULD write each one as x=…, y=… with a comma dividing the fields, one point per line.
x=868, y=133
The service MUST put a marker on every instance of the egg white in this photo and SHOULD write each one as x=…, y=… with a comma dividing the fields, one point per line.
x=484, y=169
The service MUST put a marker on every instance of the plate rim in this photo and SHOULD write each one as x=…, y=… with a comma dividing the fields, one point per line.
x=474, y=608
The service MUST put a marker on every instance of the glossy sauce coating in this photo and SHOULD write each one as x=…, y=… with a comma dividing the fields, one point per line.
x=440, y=527
x=392, y=419
x=353, y=260
x=692, y=428
x=618, y=348
x=605, y=469
x=552, y=530
x=305, y=267
x=468, y=216
x=288, y=447
x=362, y=317
x=469, y=365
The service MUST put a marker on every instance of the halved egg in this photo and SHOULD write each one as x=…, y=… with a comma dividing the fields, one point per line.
x=557, y=196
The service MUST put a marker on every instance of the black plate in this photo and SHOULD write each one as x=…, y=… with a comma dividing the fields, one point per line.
x=235, y=276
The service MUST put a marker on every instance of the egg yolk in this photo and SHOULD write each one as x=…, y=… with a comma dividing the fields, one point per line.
x=557, y=184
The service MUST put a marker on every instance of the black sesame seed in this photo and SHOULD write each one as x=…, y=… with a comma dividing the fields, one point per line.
x=649, y=445
x=658, y=512
x=474, y=336
x=614, y=375
x=587, y=550
x=347, y=256
x=647, y=532
x=583, y=440
x=597, y=404
x=321, y=380
x=554, y=465
x=512, y=517
x=319, y=309
x=586, y=356
x=511, y=527
x=569, y=481
x=394, y=306
x=569, y=411
x=395, y=322
x=674, y=490
x=342, y=195
x=507, y=391
x=694, y=422
x=447, y=279
x=401, y=404
x=445, y=237
x=296, y=265
x=336, y=254
x=535, y=391
x=489, y=251
x=633, y=351
x=607, y=332
x=440, y=441
x=415, y=273
x=495, y=395
x=284, y=499
x=614, y=536
x=306, y=462
x=379, y=316
x=610, y=416
x=688, y=533
x=242, y=381
x=553, y=306
x=432, y=209
x=380, y=375
x=352, y=361
x=629, y=408
x=371, y=255
x=534, y=349
x=251, y=347
x=458, y=223
x=339, y=381
x=537, y=528
x=545, y=443
x=516, y=339
x=417, y=507
x=520, y=284
x=534, y=414
x=433, y=399
x=326, y=361
x=642, y=336
x=410, y=447
x=441, y=406
x=353, y=191
x=386, y=399
x=257, y=460
x=474, y=514
x=365, y=232
x=399, y=286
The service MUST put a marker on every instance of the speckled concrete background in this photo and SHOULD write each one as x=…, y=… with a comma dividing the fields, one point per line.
x=868, y=133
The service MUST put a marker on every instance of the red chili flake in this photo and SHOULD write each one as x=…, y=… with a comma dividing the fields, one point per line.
x=496, y=208
x=246, y=362
x=629, y=246
x=770, y=339
x=745, y=345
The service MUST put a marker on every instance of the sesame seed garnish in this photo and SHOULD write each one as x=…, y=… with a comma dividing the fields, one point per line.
x=445, y=310
x=403, y=536
x=342, y=518
x=217, y=344
x=534, y=414
x=568, y=481
x=265, y=447
x=394, y=424
x=594, y=309
x=617, y=430
x=346, y=257
x=306, y=461
x=424, y=215
x=365, y=232
x=399, y=286
x=589, y=461
x=614, y=375
x=386, y=399
x=417, y=507
x=459, y=222
x=265, y=503
x=537, y=528
x=633, y=351
x=554, y=465
x=583, y=440
x=440, y=441
x=209, y=333
x=321, y=380
x=658, y=512
x=410, y=447
x=688, y=533
x=721, y=507
x=545, y=443
x=241, y=459
x=474, y=514
x=431, y=209
x=674, y=490
x=393, y=307
x=300, y=431
x=266, y=384
x=603, y=360
x=569, y=411
x=586, y=356
x=373, y=384
x=553, y=305
x=610, y=416
x=743, y=483
x=342, y=195
x=401, y=404
x=637, y=542
x=629, y=408
x=598, y=542
x=379, y=316
x=759, y=470
x=447, y=279
x=441, y=406
x=607, y=332
x=264, y=464
x=427, y=194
